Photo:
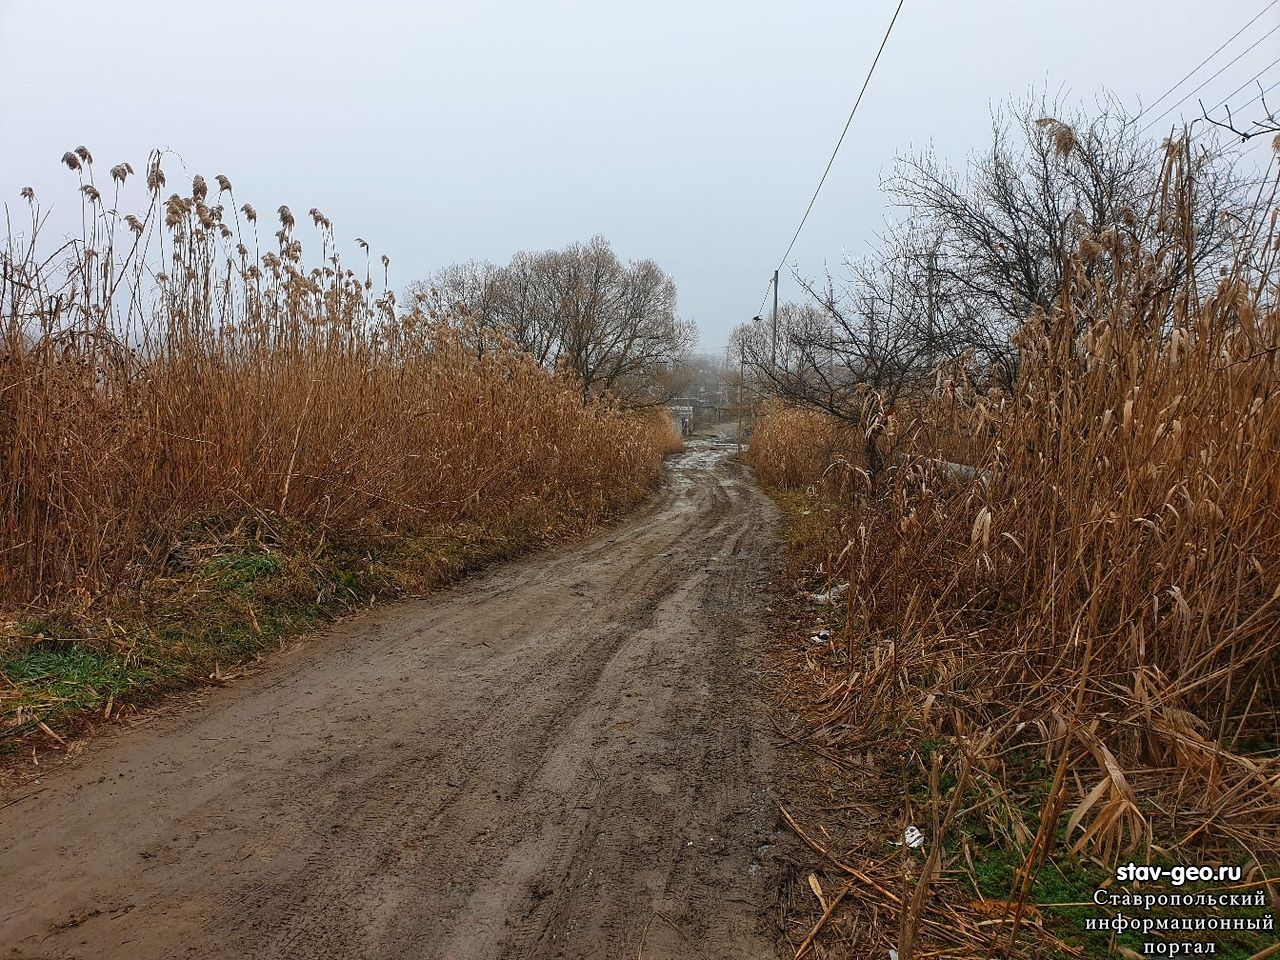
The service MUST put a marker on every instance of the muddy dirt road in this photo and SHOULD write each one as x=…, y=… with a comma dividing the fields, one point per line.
x=564, y=757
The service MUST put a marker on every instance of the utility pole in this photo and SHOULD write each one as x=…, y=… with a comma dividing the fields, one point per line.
x=742, y=375
x=774, y=358
x=831, y=365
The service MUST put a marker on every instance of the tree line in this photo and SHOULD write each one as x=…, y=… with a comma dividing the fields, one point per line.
x=611, y=325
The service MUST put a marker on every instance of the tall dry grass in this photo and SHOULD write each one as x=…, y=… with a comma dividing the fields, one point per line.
x=792, y=448
x=1103, y=592
x=182, y=361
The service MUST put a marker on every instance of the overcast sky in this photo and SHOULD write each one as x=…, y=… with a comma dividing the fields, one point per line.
x=688, y=132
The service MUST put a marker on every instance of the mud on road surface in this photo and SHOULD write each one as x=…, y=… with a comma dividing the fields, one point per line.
x=565, y=757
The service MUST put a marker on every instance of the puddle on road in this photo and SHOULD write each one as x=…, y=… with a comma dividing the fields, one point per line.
x=706, y=452
x=695, y=467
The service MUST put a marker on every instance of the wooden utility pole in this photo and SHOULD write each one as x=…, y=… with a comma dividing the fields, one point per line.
x=831, y=365
x=773, y=360
x=742, y=375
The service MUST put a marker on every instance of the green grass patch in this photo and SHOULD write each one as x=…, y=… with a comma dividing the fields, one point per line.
x=74, y=678
x=240, y=571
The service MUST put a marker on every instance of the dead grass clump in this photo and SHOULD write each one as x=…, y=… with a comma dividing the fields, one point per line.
x=663, y=430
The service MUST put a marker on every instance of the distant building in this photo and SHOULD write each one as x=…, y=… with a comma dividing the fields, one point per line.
x=682, y=415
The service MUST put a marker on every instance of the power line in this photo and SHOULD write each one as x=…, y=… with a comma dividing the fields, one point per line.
x=1197, y=67
x=1257, y=76
x=1245, y=135
x=847, y=123
x=1210, y=80
x=1223, y=148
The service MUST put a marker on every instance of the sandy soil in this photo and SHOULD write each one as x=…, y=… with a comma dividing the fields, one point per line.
x=565, y=757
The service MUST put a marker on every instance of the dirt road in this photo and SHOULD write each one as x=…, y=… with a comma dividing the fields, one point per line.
x=564, y=757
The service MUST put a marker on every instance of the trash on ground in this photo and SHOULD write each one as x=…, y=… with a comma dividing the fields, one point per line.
x=911, y=837
x=830, y=596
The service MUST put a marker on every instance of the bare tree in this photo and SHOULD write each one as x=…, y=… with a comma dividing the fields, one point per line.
x=860, y=345
x=1000, y=231
x=613, y=326
x=978, y=255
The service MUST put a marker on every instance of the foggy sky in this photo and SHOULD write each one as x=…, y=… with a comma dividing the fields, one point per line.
x=688, y=132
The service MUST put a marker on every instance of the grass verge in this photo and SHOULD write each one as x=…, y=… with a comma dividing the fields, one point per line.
x=231, y=593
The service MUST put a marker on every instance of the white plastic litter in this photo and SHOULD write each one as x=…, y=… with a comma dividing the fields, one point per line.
x=821, y=637
x=830, y=596
x=912, y=838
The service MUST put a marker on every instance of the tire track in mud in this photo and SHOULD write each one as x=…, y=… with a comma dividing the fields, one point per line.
x=565, y=757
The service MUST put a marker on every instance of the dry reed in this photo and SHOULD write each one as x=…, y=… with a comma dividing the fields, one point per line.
x=1101, y=593
x=172, y=364
x=793, y=448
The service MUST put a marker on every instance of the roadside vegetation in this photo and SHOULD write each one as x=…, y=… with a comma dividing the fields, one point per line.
x=1057, y=511
x=207, y=445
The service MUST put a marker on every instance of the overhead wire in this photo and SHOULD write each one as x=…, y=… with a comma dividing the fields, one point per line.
x=1255, y=78
x=1234, y=60
x=885, y=39
x=830, y=162
x=1194, y=70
